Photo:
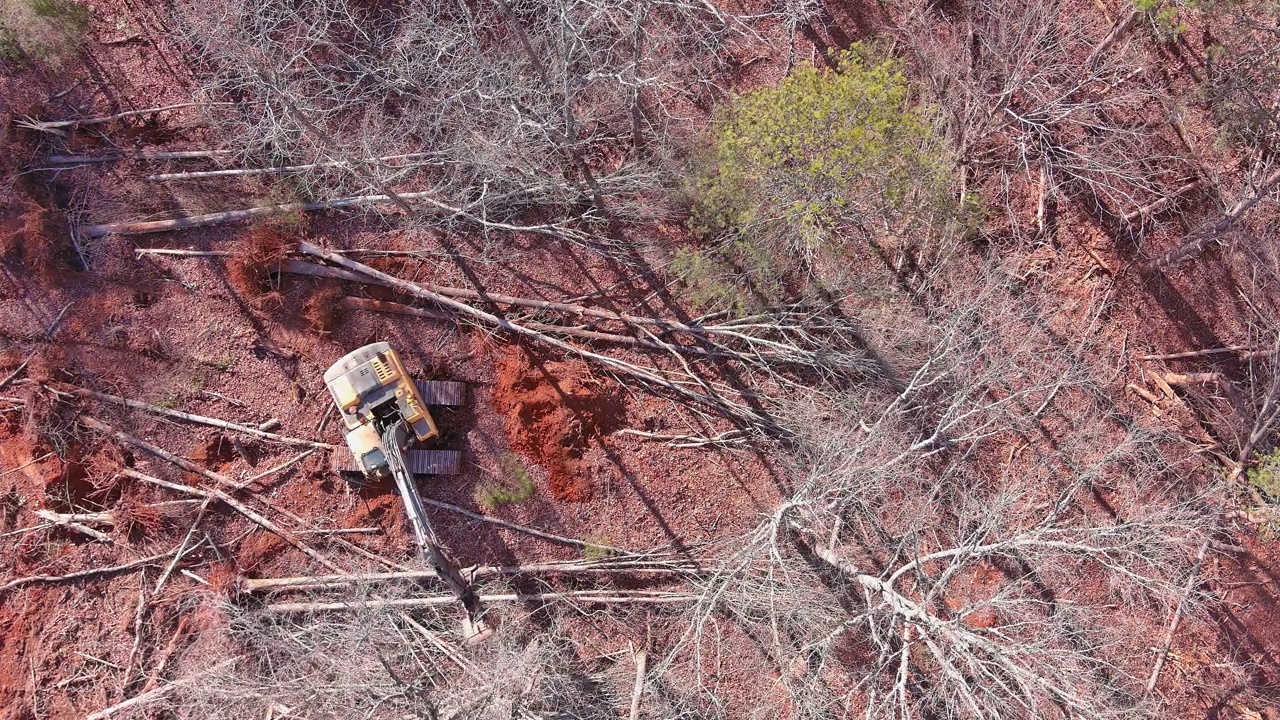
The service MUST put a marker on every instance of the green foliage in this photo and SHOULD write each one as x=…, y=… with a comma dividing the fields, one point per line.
x=793, y=172
x=1265, y=476
x=50, y=30
x=596, y=549
x=513, y=486
x=822, y=150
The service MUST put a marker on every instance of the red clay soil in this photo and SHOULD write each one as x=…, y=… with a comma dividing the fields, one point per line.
x=553, y=410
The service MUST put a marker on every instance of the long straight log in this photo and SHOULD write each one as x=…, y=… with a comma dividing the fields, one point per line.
x=355, y=274
x=200, y=419
x=1201, y=241
x=193, y=221
x=320, y=582
x=237, y=172
x=146, y=156
x=589, y=596
x=48, y=125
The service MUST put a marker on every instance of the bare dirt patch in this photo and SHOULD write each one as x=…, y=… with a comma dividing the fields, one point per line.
x=553, y=411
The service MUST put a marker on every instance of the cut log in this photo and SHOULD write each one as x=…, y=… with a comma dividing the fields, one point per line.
x=318, y=582
x=190, y=417
x=57, y=125
x=656, y=597
x=146, y=156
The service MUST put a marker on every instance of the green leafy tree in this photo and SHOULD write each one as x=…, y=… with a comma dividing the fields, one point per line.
x=824, y=157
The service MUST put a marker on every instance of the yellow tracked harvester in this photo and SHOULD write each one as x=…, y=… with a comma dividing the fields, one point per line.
x=384, y=412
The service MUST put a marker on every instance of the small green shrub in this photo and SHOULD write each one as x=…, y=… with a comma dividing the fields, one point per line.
x=794, y=172
x=821, y=150
x=1265, y=476
x=513, y=485
x=49, y=30
x=594, y=551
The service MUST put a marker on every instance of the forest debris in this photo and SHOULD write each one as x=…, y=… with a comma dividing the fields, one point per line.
x=1200, y=378
x=356, y=303
x=181, y=253
x=94, y=572
x=1145, y=393
x=641, y=658
x=146, y=156
x=239, y=507
x=67, y=522
x=611, y=565
x=258, y=432
x=1177, y=618
x=55, y=126
x=238, y=172
x=150, y=696
x=1162, y=203
x=301, y=456
x=615, y=365
x=587, y=596
x=1198, y=353
x=1164, y=386
x=1098, y=259
x=159, y=452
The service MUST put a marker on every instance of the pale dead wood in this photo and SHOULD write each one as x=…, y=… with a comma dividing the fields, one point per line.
x=222, y=496
x=1201, y=378
x=586, y=596
x=29, y=462
x=95, y=572
x=182, y=546
x=146, y=156
x=16, y=371
x=1145, y=393
x=324, y=419
x=201, y=419
x=1163, y=654
x=382, y=306
x=146, y=227
x=1163, y=203
x=54, y=125
x=519, y=528
x=239, y=172
x=1197, y=353
x=98, y=425
x=105, y=517
x=1097, y=258
x=613, y=364
x=641, y=658
x=313, y=582
x=1201, y=241
x=166, y=653
x=156, y=694
x=282, y=466
x=58, y=519
x=182, y=253
x=1120, y=29
x=343, y=531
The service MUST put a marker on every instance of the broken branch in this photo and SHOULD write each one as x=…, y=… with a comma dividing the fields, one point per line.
x=239, y=507
x=95, y=572
x=190, y=417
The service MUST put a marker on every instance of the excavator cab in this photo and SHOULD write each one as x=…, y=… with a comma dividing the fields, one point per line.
x=373, y=391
